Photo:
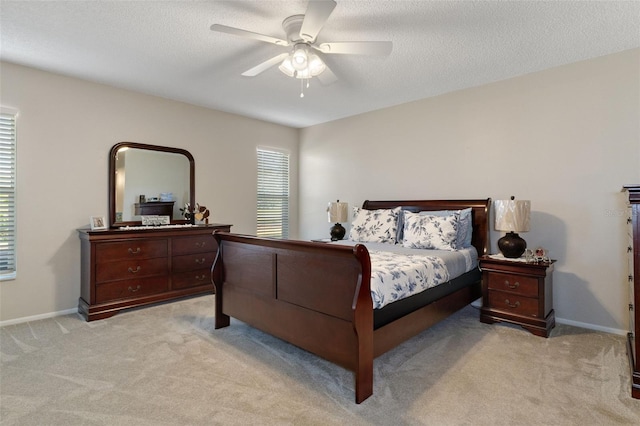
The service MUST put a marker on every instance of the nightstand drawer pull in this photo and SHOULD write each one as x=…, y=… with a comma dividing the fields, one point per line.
x=514, y=286
x=515, y=305
x=133, y=290
x=136, y=251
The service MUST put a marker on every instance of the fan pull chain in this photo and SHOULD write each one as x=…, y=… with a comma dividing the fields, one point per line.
x=302, y=86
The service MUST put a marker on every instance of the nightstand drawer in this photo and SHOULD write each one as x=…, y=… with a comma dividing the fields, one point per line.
x=513, y=303
x=518, y=284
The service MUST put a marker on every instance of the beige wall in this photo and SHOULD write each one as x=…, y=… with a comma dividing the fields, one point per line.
x=65, y=130
x=567, y=139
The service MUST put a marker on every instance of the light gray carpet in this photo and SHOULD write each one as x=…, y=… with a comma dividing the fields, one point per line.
x=166, y=365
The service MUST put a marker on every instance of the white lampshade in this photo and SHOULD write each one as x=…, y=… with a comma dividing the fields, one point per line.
x=338, y=212
x=512, y=215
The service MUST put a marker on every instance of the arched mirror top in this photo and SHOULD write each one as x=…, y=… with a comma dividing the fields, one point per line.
x=147, y=180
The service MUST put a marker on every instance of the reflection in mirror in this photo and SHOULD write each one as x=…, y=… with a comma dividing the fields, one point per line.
x=148, y=180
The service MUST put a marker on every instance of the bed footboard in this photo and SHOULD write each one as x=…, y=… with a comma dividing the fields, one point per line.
x=315, y=296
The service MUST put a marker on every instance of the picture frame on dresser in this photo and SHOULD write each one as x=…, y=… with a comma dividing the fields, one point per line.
x=97, y=223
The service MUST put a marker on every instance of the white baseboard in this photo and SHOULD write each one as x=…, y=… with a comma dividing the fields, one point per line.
x=476, y=304
x=592, y=326
x=38, y=317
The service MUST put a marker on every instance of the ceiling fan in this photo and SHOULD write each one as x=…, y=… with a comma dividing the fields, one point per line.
x=304, y=58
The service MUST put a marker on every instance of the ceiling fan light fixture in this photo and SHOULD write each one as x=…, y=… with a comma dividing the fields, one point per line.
x=287, y=67
x=313, y=67
x=300, y=57
x=316, y=65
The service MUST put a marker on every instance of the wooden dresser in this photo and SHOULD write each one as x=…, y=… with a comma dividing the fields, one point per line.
x=125, y=268
x=633, y=343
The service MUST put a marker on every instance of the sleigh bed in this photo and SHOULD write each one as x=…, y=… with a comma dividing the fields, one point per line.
x=318, y=296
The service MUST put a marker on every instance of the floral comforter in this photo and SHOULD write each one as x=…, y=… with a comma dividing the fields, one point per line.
x=396, y=276
x=398, y=272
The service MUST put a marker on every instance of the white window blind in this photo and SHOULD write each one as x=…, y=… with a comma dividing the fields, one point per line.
x=273, y=194
x=7, y=194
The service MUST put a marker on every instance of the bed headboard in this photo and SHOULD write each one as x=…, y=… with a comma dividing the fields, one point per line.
x=479, y=214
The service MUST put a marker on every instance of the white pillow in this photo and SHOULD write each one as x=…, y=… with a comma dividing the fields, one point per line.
x=424, y=231
x=374, y=226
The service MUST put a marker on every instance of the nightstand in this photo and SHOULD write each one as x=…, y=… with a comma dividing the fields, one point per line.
x=519, y=293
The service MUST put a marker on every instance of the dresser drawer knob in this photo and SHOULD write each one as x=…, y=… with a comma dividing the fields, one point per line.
x=201, y=261
x=201, y=244
x=515, y=305
x=200, y=277
x=134, y=271
x=133, y=290
x=136, y=251
x=509, y=285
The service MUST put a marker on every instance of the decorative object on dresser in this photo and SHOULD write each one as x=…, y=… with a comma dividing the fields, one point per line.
x=633, y=343
x=512, y=216
x=320, y=298
x=124, y=268
x=518, y=292
x=338, y=212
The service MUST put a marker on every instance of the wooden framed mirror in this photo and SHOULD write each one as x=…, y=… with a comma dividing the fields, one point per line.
x=164, y=177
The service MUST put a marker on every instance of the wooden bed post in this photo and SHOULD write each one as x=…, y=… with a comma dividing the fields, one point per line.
x=217, y=277
x=363, y=327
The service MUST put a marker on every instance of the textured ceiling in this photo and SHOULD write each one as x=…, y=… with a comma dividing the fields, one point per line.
x=166, y=48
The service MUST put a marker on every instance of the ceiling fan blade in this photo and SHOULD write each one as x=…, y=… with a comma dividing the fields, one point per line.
x=265, y=65
x=379, y=48
x=327, y=76
x=315, y=17
x=248, y=34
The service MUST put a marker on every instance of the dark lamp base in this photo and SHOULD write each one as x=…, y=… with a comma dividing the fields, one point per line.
x=337, y=232
x=512, y=245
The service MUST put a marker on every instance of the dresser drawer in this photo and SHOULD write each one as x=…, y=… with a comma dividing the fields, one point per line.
x=190, y=262
x=518, y=284
x=513, y=303
x=194, y=244
x=125, y=289
x=131, y=269
x=131, y=249
x=191, y=278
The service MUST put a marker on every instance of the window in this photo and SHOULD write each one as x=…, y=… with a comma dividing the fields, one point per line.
x=7, y=194
x=273, y=193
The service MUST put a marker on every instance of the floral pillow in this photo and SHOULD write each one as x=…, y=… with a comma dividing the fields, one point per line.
x=423, y=231
x=465, y=228
x=374, y=226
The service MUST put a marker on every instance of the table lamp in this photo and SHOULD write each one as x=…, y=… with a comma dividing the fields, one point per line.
x=337, y=212
x=512, y=216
